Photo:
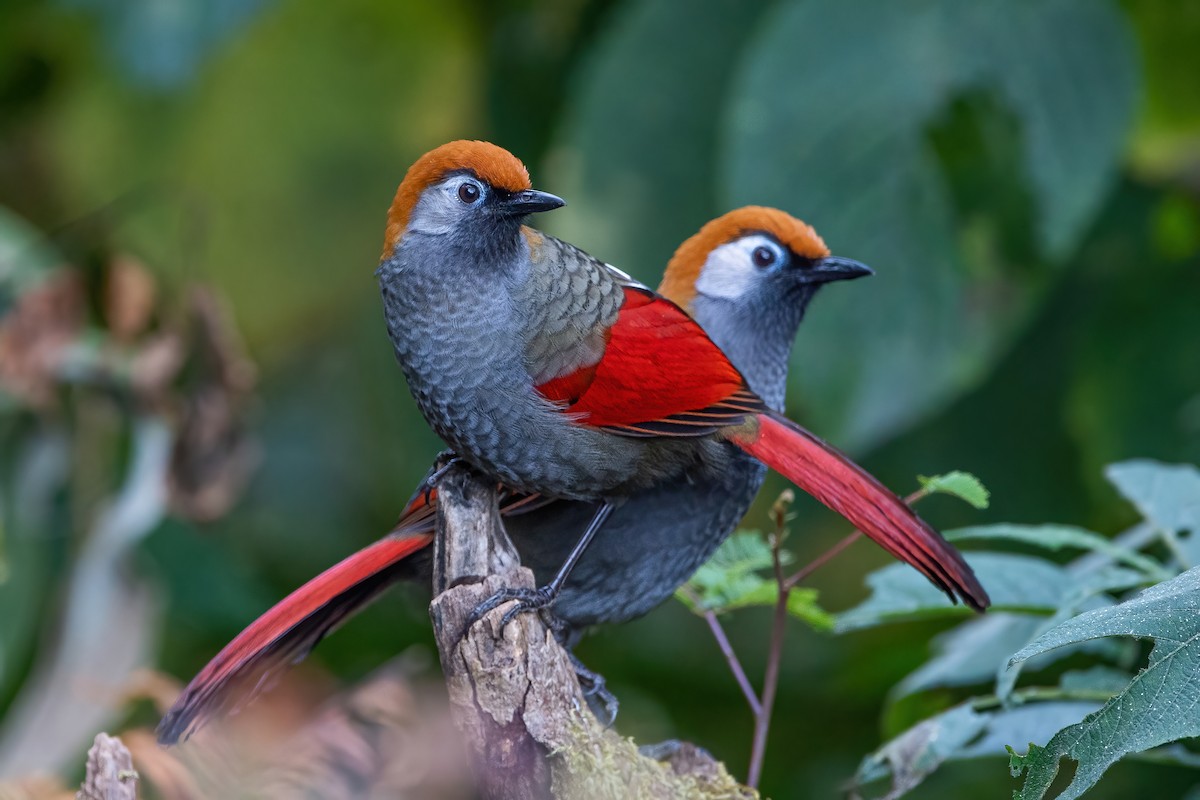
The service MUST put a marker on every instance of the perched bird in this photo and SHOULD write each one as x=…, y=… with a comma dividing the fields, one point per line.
x=559, y=375
x=747, y=278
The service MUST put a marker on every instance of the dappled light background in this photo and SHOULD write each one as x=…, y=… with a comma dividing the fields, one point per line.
x=199, y=407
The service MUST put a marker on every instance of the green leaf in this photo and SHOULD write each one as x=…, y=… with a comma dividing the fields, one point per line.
x=1084, y=592
x=969, y=653
x=962, y=733
x=1157, y=706
x=27, y=504
x=1024, y=723
x=915, y=754
x=1059, y=537
x=730, y=576
x=1015, y=582
x=962, y=485
x=730, y=580
x=1166, y=494
x=802, y=603
x=1099, y=678
x=831, y=119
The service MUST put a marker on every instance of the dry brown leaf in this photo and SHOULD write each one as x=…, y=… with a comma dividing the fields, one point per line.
x=130, y=297
x=214, y=455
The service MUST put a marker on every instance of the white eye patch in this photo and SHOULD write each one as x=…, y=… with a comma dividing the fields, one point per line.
x=440, y=210
x=730, y=270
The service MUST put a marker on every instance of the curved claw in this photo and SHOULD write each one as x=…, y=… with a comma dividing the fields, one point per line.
x=527, y=600
x=600, y=700
x=538, y=599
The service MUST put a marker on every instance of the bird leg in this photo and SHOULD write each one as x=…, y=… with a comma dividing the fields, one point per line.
x=442, y=463
x=543, y=596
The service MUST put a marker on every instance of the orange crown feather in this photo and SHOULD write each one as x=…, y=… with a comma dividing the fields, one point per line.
x=490, y=163
x=679, y=280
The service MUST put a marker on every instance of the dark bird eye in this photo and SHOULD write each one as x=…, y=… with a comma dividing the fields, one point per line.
x=763, y=256
x=468, y=193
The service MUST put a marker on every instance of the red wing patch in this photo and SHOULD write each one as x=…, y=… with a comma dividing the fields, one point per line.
x=567, y=389
x=660, y=376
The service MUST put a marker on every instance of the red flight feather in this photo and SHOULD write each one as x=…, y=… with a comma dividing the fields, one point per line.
x=839, y=483
x=288, y=631
x=292, y=627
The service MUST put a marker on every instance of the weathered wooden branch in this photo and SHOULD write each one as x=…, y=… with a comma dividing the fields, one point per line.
x=110, y=774
x=513, y=692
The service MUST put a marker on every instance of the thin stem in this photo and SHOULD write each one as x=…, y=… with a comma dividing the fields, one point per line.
x=735, y=666
x=1041, y=694
x=820, y=561
x=762, y=721
x=917, y=496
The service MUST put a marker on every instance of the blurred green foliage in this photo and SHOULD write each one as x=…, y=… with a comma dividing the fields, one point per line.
x=1022, y=176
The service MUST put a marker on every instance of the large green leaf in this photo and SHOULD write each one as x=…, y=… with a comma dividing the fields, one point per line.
x=1157, y=706
x=1167, y=494
x=960, y=733
x=1059, y=537
x=833, y=108
x=968, y=654
x=638, y=151
x=1014, y=582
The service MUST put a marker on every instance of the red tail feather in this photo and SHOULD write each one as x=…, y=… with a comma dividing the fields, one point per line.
x=287, y=632
x=848, y=489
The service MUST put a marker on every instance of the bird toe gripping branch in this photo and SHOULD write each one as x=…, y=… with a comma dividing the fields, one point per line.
x=513, y=689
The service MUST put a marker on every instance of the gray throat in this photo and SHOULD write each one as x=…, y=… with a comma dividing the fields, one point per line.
x=757, y=334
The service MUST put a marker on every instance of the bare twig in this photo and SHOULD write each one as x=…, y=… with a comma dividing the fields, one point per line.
x=762, y=708
x=799, y=575
x=762, y=720
x=735, y=665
